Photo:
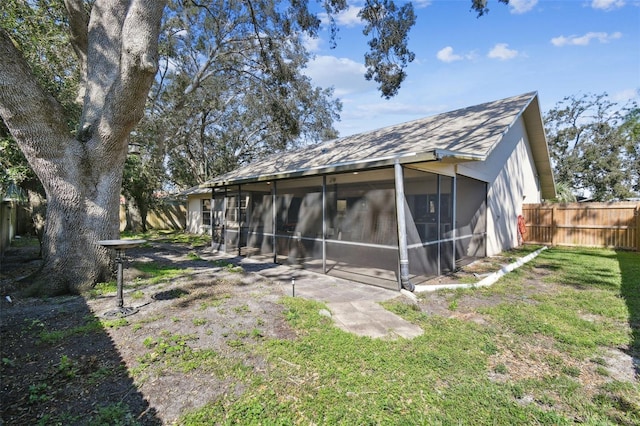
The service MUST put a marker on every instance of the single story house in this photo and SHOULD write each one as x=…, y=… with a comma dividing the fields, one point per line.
x=395, y=206
x=198, y=216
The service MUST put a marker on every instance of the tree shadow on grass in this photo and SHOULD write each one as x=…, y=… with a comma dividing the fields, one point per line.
x=630, y=290
x=60, y=366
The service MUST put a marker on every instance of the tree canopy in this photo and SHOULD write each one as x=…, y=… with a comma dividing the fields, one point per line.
x=595, y=145
x=221, y=99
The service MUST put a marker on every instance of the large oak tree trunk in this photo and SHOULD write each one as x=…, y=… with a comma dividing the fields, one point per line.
x=81, y=210
x=81, y=170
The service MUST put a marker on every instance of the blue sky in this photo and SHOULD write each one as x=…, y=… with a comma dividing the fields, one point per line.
x=557, y=48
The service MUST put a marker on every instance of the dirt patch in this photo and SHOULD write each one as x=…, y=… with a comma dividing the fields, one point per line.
x=63, y=359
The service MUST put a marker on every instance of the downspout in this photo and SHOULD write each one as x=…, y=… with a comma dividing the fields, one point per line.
x=438, y=222
x=274, y=221
x=324, y=224
x=239, y=212
x=454, y=219
x=403, y=251
x=212, y=217
x=225, y=204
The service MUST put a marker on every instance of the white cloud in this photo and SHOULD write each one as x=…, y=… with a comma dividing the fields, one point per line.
x=626, y=95
x=607, y=4
x=501, y=51
x=345, y=75
x=446, y=55
x=420, y=4
x=349, y=17
x=522, y=6
x=181, y=33
x=585, y=39
x=312, y=44
x=346, y=18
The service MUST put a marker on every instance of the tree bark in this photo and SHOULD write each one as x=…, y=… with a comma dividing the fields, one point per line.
x=135, y=221
x=82, y=171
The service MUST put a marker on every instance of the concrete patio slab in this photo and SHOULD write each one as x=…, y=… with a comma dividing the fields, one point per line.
x=354, y=306
x=368, y=318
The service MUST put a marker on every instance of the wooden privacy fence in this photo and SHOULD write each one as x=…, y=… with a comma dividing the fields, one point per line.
x=615, y=224
x=168, y=215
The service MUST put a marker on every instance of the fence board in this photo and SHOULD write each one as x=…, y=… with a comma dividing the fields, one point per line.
x=168, y=215
x=615, y=225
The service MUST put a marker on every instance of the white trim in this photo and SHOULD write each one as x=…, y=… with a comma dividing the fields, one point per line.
x=485, y=282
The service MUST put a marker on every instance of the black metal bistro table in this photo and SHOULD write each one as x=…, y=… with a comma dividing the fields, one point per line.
x=119, y=246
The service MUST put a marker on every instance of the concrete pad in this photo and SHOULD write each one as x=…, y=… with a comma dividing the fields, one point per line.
x=354, y=306
x=368, y=318
x=373, y=331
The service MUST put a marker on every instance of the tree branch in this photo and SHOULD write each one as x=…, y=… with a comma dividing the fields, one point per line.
x=103, y=59
x=78, y=25
x=135, y=59
x=32, y=115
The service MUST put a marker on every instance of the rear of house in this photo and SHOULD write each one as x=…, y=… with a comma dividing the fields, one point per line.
x=198, y=220
x=392, y=207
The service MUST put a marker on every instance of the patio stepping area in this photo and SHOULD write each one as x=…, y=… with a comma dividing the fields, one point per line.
x=354, y=307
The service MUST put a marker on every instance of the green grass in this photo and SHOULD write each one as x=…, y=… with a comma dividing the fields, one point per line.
x=100, y=289
x=327, y=376
x=584, y=312
x=630, y=291
x=215, y=301
x=92, y=325
x=25, y=241
x=113, y=414
x=199, y=321
x=170, y=237
x=194, y=256
x=136, y=295
x=157, y=273
x=115, y=323
x=171, y=352
x=229, y=266
x=332, y=377
x=457, y=372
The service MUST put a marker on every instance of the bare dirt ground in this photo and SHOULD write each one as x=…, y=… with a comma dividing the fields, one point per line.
x=64, y=362
x=58, y=362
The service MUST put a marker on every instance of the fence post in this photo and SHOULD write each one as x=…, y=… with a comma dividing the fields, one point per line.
x=637, y=215
x=553, y=223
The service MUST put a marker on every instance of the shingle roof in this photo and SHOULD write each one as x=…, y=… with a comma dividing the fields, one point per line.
x=194, y=190
x=465, y=134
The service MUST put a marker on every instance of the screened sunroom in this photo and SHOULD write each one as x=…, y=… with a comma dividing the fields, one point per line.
x=391, y=208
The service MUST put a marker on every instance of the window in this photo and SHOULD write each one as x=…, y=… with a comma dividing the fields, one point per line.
x=231, y=212
x=206, y=212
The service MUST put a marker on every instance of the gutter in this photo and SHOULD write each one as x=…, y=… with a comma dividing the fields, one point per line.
x=441, y=155
x=347, y=166
x=445, y=155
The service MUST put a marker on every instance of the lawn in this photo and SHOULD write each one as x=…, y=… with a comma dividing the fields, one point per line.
x=550, y=343
x=534, y=358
